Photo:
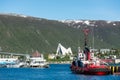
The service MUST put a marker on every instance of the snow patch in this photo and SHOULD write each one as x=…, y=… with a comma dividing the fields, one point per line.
x=114, y=24
x=78, y=26
x=22, y=16
x=66, y=21
x=14, y=14
x=71, y=21
x=78, y=21
x=108, y=22
x=87, y=22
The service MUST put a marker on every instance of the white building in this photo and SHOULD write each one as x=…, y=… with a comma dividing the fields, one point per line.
x=51, y=56
x=103, y=51
x=62, y=51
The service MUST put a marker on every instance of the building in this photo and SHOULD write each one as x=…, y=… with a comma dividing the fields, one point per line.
x=11, y=55
x=103, y=51
x=62, y=51
x=51, y=56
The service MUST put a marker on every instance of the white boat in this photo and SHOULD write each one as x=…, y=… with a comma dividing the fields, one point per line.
x=11, y=63
x=37, y=60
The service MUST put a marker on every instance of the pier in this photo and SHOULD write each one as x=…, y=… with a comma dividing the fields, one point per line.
x=115, y=70
x=13, y=55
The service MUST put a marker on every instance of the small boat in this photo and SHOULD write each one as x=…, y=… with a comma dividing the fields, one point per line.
x=87, y=63
x=37, y=60
x=11, y=63
x=2, y=65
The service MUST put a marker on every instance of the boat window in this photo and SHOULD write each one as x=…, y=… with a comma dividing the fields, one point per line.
x=74, y=63
x=79, y=64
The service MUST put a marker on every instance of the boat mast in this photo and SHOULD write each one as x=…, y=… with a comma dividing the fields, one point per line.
x=93, y=38
x=86, y=31
x=86, y=50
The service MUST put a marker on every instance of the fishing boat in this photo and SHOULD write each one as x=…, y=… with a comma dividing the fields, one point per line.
x=87, y=63
x=37, y=60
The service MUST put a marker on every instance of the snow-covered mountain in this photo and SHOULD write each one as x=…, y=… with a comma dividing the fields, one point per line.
x=105, y=31
x=26, y=33
x=88, y=23
x=14, y=14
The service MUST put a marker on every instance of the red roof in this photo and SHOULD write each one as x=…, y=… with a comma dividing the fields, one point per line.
x=36, y=54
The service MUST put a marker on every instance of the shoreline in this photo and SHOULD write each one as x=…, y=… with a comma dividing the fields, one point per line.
x=61, y=62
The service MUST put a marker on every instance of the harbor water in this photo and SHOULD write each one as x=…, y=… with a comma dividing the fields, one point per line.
x=54, y=72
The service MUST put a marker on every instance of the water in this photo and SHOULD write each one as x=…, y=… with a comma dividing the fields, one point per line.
x=55, y=72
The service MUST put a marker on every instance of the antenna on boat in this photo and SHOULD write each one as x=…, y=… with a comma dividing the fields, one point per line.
x=86, y=50
x=93, y=39
x=86, y=31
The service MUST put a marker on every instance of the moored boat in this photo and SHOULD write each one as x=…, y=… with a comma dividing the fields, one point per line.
x=11, y=63
x=37, y=60
x=87, y=63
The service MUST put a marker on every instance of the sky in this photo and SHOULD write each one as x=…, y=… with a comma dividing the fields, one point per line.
x=64, y=9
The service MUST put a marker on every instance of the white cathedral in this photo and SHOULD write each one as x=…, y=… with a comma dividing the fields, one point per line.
x=62, y=51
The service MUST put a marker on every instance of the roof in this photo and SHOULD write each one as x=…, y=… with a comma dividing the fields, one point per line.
x=36, y=54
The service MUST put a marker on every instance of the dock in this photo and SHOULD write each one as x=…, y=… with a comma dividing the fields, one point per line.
x=115, y=70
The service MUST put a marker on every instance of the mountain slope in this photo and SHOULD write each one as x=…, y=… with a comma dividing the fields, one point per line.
x=106, y=33
x=25, y=34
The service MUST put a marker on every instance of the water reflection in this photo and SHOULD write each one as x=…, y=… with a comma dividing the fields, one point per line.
x=94, y=77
